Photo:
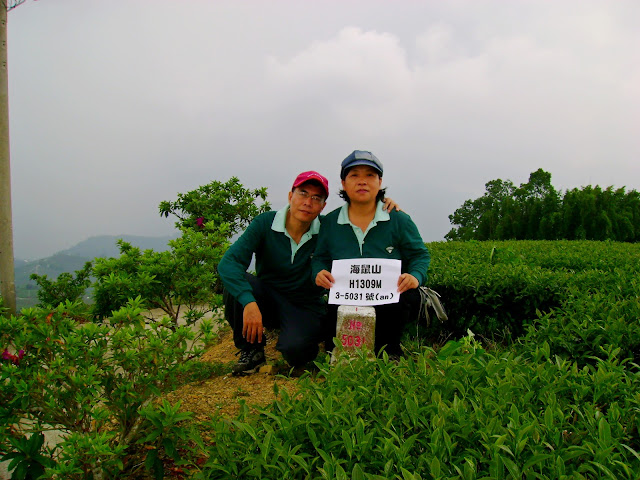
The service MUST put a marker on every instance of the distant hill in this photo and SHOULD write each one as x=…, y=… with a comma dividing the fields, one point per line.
x=51, y=266
x=74, y=258
x=105, y=245
x=19, y=263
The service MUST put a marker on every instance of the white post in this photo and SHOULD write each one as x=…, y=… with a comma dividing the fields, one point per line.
x=356, y=330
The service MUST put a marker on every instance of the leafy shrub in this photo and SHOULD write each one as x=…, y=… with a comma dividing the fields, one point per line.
x=91, y=381
x=460, y=413
x=66, y=288
x=589, y=322
x=186, y=276
x=220, y=203
x=497, y=287
x=26, y=460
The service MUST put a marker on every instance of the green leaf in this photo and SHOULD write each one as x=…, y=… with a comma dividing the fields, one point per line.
x=512, y=467
x=535, y=460
x=34, y=443
x=450, y=348
x=266, y=444
x=357, y=473
x=604, y=432
x=605, y=470
x=347, y=442
x=20, y=471
x=153, y=464
x=412, y=407
x=312, y=436
x=407, y=475
x=435, y=467
x=548, y=418
x=521, y=444
x=633, y=452
x=324, y=455
x=340, y=473
x=169, y=447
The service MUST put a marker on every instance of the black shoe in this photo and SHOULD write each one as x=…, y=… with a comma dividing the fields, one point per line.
x=250, y=359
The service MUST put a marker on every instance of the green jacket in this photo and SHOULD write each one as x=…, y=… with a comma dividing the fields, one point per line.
x=394, y=236
x=275, y=264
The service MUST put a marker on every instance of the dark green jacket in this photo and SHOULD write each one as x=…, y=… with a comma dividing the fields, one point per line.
x=396, y=238
x=273, y=264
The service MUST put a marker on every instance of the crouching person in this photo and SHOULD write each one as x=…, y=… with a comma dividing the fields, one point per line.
x=282, y=294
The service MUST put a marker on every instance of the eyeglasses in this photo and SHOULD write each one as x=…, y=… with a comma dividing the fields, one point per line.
x=315, y=199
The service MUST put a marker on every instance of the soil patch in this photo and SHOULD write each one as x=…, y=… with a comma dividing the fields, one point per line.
x=224, y=394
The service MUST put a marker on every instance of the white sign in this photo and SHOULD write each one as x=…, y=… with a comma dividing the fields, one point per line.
x=365, y=281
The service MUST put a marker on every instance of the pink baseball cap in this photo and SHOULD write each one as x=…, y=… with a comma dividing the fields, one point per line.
x=311, y=175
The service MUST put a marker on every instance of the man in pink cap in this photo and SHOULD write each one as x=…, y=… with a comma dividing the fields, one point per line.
x=281, y=294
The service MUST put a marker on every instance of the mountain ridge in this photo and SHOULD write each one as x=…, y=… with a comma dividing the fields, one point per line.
x=74, y=258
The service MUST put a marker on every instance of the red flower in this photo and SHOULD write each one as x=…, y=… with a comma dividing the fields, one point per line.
x=200, y=221
x=15, y=359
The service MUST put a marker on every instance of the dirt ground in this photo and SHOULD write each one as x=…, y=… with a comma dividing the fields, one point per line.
x=223, y=394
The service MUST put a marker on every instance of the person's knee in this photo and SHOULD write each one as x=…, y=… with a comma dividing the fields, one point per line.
x=230, y=307
x=299, y=355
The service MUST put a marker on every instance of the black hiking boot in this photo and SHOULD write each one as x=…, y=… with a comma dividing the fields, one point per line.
x=250, y=359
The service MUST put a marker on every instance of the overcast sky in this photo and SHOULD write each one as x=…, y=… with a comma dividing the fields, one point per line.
x=117, y=105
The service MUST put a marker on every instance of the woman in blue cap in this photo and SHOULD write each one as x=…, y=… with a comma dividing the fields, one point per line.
x=361, y=228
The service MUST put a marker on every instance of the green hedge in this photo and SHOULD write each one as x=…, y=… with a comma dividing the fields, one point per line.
x=497, y=287
x=561, y=402
x=463, y=413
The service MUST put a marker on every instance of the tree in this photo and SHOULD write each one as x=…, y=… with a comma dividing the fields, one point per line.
x=66, y=288
x=539, y=205
x=187, y=275
x=219, y=203
x=537, y=211
x=481, y=219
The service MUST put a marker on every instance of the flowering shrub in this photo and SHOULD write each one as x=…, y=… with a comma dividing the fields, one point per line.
x=93, y=374
x=15, y=359
x=219, y=203
x=90, y=381
x=186, y=276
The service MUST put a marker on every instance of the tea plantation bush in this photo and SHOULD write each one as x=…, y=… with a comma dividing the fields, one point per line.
x=560, y=402
x=495, y=288
x=462, y=413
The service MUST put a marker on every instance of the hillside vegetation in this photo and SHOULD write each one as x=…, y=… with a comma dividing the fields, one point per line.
x=533, y=376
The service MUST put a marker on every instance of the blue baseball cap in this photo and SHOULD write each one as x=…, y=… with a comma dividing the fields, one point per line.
x=360, y=157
